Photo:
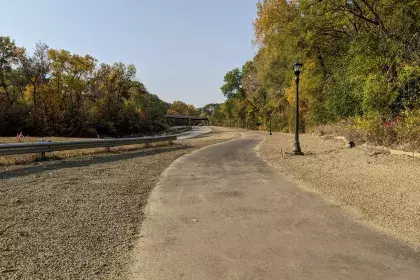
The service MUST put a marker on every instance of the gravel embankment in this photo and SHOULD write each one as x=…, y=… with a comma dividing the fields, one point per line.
x=78, y=218
x=379, y=188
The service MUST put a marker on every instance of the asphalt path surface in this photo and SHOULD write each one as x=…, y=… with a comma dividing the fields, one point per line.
x=223, y=213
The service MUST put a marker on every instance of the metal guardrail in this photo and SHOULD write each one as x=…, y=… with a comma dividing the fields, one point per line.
x=43, y=147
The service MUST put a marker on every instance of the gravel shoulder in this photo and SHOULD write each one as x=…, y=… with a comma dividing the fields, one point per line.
x=78, y=218
x=378, y=188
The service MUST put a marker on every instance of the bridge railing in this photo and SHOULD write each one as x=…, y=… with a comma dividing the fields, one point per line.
x=43, y=147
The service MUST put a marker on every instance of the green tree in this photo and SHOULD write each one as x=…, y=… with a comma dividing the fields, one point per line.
x=180, y=108
x=361, y=63
x=55, y=92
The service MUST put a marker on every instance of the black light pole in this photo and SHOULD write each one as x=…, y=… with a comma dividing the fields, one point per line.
x=297, y=69
x=270, y=124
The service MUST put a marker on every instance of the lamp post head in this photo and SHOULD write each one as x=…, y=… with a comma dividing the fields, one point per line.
x=297, y=68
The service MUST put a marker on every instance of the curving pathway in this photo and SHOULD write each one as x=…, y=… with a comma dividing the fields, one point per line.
x=223, y=213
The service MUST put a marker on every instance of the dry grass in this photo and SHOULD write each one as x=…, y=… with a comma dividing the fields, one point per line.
x=401, y=135
x=8, y=140
x=345, y=129
x=28, y=158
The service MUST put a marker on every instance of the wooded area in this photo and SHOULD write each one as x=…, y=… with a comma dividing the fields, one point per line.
x=55, y=92
x=361, y=69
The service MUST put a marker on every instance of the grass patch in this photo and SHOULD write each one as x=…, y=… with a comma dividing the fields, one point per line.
x=401, y=133
x=13, y=140
x=30, y=158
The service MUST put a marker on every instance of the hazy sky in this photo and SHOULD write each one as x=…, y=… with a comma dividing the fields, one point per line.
x=181, y=48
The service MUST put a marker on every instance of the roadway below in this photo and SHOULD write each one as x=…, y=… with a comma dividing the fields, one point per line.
x=222, y=213
x=194, y=132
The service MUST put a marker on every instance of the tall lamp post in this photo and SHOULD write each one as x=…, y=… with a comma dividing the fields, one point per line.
x=297, y=69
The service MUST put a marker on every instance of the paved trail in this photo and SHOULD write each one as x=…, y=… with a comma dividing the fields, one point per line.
x=223, y=213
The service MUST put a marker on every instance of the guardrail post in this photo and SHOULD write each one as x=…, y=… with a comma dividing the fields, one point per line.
x=42, y=154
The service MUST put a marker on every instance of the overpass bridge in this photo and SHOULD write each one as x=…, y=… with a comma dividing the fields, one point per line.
x=189, y=118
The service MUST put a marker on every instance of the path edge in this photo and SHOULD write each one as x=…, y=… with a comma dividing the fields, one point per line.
x=353, y=213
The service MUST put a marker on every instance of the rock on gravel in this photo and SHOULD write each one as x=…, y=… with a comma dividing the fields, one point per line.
x=379, y=188
x=78, y=218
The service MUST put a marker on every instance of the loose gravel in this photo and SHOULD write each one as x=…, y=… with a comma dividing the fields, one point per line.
x=78, y=218
x=380, y=189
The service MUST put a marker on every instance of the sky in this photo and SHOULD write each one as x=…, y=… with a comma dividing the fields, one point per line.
x=181, y=48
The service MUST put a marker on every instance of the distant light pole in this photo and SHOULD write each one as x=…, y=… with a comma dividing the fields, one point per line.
x=270, y=124
x=297, y=69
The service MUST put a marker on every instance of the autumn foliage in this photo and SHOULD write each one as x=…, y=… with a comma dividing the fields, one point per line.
x=55, y=92
x=361, y=67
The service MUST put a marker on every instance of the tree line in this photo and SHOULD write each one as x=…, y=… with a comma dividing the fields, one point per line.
x=55, y=92
x=361, y=68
